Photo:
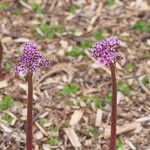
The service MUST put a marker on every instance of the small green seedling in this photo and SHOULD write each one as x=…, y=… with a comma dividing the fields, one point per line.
x=37, y=8
x=51, y=30
x=72, y=8
x=71, y=88
x=53, y=140
x=124, y=88
x=98, y=35
x=17, y=10
x=72, y=102
x=141, y=26
x=6, y=118
x=92, y=132
x=119, y=144
x=53, y=128
x=97, y=101
x=111, y=2
x=43, y=121
x=74, y=52
x=107, y=98
x=129, y=68
x=6, y=103
x=85, y=44
x=2, y=6
x=145, y=80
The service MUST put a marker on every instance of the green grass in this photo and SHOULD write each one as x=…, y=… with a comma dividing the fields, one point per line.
x=6, y=118
x=6, y=103
x=53, y=140
x=124, y=88
x=37, y=8
x=97, y=101
x=71, y=88
x=2, y=6
x=119, y=144
x=72, y=8
x=85, y=44
x=74, y=52
x=98, y=35
x=51, y=30
x=17, y=10
x=43, y=121
x=141, y=26
x=129, y=68
x=145, y=80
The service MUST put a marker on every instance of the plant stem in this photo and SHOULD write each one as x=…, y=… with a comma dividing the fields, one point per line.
x=29, y=112
x=1, y=57
x=114, y=108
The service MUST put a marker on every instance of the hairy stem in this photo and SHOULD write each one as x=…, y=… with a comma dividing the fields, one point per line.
x=114, y=108
x=29, y=113
x=1, y=57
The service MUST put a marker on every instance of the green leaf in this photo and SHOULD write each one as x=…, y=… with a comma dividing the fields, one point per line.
x=74, y=52
x=6, y=103
x=7, y=118
x=53, y=140
x=141, y=26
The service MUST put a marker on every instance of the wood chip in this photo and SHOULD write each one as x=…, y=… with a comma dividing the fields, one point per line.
x=72, y=137
x=3, y=84
x=130, y=144
x=5, y=127
x=125, y=128
x=99, y=115
x=35, y=1
x=41, y=128
x=76, y=117
x=38, y=135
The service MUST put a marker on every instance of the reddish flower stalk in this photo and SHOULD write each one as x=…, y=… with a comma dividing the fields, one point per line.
x=114, y=108
x=1, y=57
x=29, y=62
x=29, y=111
x=104, y=52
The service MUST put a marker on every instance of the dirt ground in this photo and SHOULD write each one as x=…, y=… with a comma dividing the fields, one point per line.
x=72, y=99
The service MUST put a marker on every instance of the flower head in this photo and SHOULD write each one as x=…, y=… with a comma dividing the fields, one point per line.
x=30, y=60
x=104, y=51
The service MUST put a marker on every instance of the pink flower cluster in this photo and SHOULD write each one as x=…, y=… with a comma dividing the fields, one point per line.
x=104, y=51
x=30, y=60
